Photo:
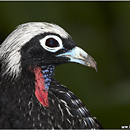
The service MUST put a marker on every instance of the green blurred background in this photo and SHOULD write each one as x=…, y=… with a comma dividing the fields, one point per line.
x=100, y=28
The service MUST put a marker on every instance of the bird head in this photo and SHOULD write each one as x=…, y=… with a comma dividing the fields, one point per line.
x=40, y=44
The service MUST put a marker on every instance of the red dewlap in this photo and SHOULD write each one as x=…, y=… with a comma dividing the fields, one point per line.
x=40, y=92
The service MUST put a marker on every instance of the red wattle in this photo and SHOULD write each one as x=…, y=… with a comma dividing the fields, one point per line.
x=40, y=92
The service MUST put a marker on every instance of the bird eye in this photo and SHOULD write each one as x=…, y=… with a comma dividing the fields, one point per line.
x=51, y=42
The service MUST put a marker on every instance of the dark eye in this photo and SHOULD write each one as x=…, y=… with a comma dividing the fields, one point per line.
x=51, y=42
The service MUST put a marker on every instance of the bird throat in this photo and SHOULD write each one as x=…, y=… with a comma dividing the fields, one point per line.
x=43, y=76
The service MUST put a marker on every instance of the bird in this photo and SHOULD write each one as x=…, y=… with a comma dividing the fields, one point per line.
x=30, y=96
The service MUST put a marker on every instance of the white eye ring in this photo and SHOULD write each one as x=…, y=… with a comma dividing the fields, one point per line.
x=51, y=49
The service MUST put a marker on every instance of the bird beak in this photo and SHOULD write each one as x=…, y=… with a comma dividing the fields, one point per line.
x=78, y=55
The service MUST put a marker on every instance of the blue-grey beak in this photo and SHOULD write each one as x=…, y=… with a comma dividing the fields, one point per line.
x=78, y=55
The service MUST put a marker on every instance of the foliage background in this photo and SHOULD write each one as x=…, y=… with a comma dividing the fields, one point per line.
x=100, y=28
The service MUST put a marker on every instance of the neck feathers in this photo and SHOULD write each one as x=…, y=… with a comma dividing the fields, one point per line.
x=47, y=72
x=43, y=79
